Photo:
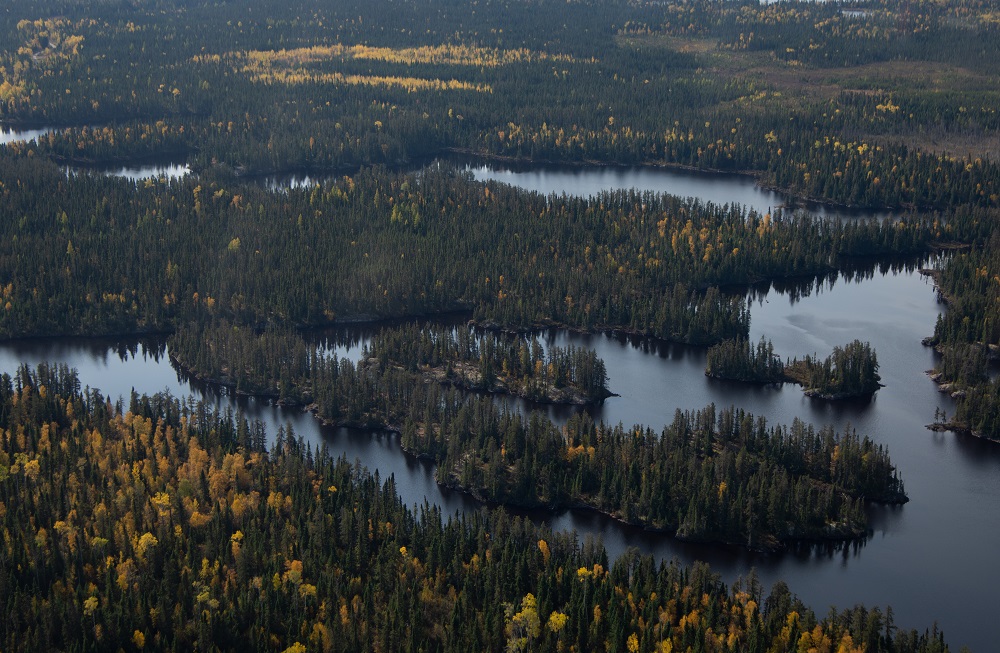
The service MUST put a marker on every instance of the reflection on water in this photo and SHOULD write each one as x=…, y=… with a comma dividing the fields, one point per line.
x=137, y=173
x=9, y=135
x=851, y=271
x=165, y=170
x=580, y=181
x=293, y=181
x=953, y=481
x=590, y=180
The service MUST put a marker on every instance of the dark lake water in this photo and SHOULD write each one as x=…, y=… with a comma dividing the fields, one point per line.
x=933, y=559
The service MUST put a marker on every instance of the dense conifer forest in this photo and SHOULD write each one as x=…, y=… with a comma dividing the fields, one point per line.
x=165, y=525
x=967, y=337
x=168, y=526
x=738, y=360
x=848, y=372
x=146, y=258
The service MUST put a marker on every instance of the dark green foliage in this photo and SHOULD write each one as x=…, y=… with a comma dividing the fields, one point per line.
x=270, y=364
x=278, y=363
x=850, y=371
x=93, y=255
x=968, y=335
x=739, y=361
x=487, y=361
x=964, y=373
x=278, y=90
x=89, y=255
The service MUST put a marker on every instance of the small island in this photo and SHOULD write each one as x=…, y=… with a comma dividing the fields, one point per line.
x=849, y=372
x=278, y=364
x=736, y=360
x=485, y=362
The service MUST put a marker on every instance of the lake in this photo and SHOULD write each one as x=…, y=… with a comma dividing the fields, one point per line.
x=933, y=559
x=166, y=169
x=151, y=171
x=953, y=481
x=585, y=181
x=580, y=181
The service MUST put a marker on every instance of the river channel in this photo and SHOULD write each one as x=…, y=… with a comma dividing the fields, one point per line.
x=933, y=559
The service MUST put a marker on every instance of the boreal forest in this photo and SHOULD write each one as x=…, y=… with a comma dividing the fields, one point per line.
x=155, y=522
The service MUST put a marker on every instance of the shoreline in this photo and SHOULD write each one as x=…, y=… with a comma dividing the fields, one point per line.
x=774, y=544
x=794, y=375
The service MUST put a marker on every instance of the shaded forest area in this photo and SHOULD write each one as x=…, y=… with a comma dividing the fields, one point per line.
x=95, y=255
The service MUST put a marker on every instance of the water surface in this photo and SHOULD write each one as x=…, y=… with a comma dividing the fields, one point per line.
x=167, y=170
x=587, y=181
x=151, y=171
x=11, y=135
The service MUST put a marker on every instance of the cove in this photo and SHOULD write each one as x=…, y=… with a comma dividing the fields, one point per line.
x=953, y=481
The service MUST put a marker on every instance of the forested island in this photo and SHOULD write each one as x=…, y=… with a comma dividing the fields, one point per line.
x=848, y=372
x=708, y=476
x=111, y=512
x=277, y=363
x=738, y=360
